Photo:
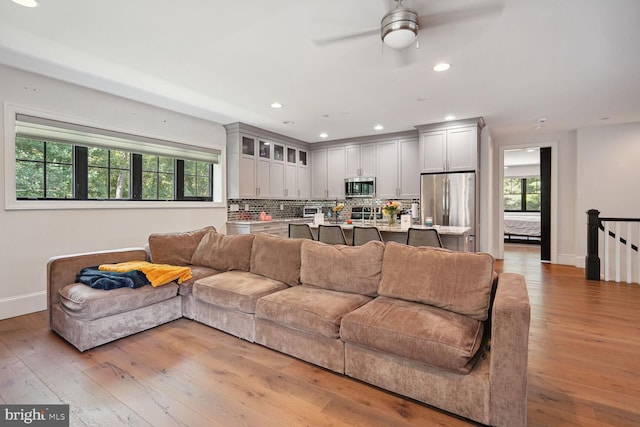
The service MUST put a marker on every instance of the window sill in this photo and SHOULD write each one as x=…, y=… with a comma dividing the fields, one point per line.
x=105, y=204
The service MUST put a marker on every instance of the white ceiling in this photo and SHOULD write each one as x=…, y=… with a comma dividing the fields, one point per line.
x=573, y=62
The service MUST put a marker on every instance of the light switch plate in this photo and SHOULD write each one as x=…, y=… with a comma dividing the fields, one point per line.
x=246, y=206
x=234, y=208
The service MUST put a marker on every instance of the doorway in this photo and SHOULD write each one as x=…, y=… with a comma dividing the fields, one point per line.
x=527, y=181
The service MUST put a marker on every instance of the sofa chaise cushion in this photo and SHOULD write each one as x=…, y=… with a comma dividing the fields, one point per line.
x=276, y=258
x=85, y=303
x=309, y=309
x=224, y=253
x=355, y=269
x=457, y=281
x=235, y=290
x=415, y=331
x=175, y=248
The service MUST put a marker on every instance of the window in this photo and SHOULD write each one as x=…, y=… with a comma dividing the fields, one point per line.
x=63, y=161
x=522, y=194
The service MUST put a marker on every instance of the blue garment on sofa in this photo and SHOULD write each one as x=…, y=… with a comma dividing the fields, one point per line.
x=106, y=280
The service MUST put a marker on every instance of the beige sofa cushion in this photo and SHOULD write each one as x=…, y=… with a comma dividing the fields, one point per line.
x=175, y=248
x=224, y=253
x=277, y=258
x=197, y=272
x=235, y=290
x=85, y=303
x=456, y=281
x=309, y=309
x=416, y=331
x=355, y=269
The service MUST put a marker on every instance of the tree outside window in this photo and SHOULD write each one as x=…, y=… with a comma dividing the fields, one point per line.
x=522, y=194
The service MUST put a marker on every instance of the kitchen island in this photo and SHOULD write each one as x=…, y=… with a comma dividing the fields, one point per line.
x=454, y=238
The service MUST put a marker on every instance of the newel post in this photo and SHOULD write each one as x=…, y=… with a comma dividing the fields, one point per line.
x=592, y=261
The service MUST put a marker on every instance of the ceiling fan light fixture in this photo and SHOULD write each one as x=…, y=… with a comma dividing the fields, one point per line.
x=399, y=28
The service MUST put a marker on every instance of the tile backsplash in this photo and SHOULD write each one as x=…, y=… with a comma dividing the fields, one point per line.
x=293, y=208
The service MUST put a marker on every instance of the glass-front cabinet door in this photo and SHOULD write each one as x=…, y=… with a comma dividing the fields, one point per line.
x=265, y=149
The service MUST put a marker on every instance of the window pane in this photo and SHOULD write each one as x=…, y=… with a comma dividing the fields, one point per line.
x=533, y=202
x=119, y=159
x=512, y=186
x=189, y=185
x=98, y=157
x=149, y=163
x=29, y=149
x=29, y=179
x=166, y=165
x=203, y=187
x=59, y=153
x=149, y=185
x=166, y=187
x=533, y=185
x=512, y=202
x=59, y=181
x=190, y=167
x=98, y=183
x=119, y=184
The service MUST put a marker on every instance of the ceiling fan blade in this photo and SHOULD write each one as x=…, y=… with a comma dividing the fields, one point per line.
x=322, y=41
x=460, y=15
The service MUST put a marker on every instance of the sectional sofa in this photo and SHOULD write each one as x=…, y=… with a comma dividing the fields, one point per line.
x=437, y=326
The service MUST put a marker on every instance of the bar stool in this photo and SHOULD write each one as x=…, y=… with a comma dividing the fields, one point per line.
x=300, y=231
x=423, y=237
x=331, y=234
x=362, y=235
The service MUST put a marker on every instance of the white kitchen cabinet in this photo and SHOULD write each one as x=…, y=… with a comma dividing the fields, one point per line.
x=398, y=169
x=450, y=147
x=409, y=168
x=336, y=171
x=360, y=160
x=319, y=174
x=260, y=167
x=328, y=166
x=387, y=178
x=304, y=175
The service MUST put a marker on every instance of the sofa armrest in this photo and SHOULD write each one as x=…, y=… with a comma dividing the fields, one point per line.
x=62, y=270
x=510, y=319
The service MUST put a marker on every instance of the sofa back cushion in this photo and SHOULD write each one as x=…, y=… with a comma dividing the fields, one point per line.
x=354, y=269
x=457, y=281
x=224, y=253
x=176, y=248
x=277, y=258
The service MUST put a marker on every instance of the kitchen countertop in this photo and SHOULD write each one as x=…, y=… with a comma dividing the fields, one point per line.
x=275, y=220
x=444, y=230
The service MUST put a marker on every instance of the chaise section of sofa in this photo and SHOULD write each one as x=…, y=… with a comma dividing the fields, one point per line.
x=88, y=317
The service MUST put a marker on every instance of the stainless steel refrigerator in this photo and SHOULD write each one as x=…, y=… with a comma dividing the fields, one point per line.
x=450, y=199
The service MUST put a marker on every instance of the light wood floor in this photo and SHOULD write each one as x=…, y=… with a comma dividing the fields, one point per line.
x=584, y=364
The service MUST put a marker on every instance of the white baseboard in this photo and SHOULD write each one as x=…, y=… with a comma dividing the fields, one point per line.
x=570, y=259
x=22, y=304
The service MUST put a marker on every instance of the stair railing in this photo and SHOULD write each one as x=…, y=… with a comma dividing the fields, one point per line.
x=620, y=253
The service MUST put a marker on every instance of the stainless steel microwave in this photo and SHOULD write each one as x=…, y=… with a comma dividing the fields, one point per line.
x=359, y=187
x=310, y=211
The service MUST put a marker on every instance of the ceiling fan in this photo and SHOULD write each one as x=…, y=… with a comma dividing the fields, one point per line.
x=400, y=26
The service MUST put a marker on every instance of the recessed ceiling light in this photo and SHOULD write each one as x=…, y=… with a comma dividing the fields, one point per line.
x=276, y=105
x=542, y=119
x=324, y=135
x=531, y=150
x=538, y=127
x=287, y=122
x=26, y=3
x=450, y=117
x=443, y=66
x=506, y=167
x=378, y=127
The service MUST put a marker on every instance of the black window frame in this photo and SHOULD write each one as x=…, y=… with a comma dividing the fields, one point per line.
x=523, y=194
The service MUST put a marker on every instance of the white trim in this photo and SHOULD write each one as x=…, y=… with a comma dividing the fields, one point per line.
x=22, y=304
x=11, y=203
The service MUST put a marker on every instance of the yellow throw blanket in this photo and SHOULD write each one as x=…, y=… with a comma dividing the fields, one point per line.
x=157, y=274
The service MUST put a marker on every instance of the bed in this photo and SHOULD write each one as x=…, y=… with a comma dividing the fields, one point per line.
x=522, y=225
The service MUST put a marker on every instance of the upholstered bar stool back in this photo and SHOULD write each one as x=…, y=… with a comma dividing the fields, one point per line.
x=423, y=237
x=362, y=235
x=300, y=231
x=331, y=234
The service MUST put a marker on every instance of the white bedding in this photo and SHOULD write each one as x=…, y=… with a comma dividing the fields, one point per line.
x=522, y=224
